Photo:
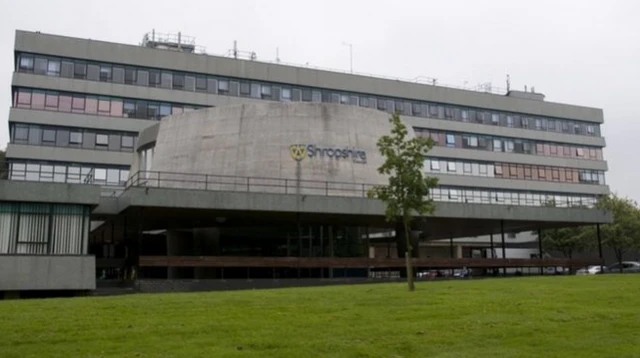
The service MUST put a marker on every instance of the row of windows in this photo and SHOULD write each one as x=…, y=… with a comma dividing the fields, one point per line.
x=176, y=80
x=98, y=105
x=511, y=197
x=514, y=171
x=508, y=145
x=35, y=134
x=68, y=173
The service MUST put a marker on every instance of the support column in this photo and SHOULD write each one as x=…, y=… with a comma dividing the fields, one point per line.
x=331, y=249
x=504, y=251
x=451, y=247
x=458, y=251
x=368, y=250
x=599, y=246
x=540, y=249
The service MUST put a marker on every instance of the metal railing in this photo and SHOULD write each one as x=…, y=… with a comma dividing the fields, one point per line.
x=212, y=182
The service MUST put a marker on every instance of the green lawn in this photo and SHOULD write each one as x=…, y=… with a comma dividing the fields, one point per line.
x=580, y=316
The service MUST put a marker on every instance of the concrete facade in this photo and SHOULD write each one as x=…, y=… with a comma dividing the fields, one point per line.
x=25, y=272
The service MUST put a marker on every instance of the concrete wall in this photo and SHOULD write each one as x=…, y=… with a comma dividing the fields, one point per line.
x=254, y=141
x=49, y=192
x=137, y=55
x=24, y=272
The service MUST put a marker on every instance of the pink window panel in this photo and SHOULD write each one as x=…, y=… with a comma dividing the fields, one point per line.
x=104, y=106
x=116, y=108
x=51, y=101
x=91, y=105
x=24, y=99
x=64, y=103
x=37, y=100
x=77, y=104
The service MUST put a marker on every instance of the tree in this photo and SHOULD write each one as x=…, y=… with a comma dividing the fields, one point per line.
x=624, y=233
x=566, y=240
x=407, y=193
x=3, y=165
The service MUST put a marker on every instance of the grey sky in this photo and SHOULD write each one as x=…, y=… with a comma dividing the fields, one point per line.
x=580, y=52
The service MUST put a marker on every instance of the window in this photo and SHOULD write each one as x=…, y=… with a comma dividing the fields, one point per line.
x=37, y=99
x=509, y=146
x=20, y=132
x=201, y=83
x=415, y=109
x=541, y=172
x=286, y=94
x=464, y=114
x=75, y=137
x=451, y=140
x=129, y=75
x=265, y=92
x=483, y=170
x=129, y=109
x=80, y=70
x=453, y=194
x=525, y=122
x=104, y=106
x=26, y=63
x=466, y=168
x=451, y=166
x=511, y=235
x=527, y=172
x=509, y=121
x=49, y=136
x=497, y=145
x=448, y=112
x=105, y=73
x=102, y=140
x=473, y=141
x=178, y=81
x=435, y=165
x=495, y=118
x=127, y=141
x=155, y=79
x=498, y=169
x=591, y=130
x=433, y=110
x=569, y=174
x=40, y=66
x=51, y=100
x=223, y=86
x=555, y=174
x=77, y=104
x=579, y=152
x=553, y=149
x=53, y=68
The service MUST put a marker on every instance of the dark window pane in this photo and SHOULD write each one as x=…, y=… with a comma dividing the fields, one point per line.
x=306, y=95
x=143, y=78
x=189, y=83
x=165, y=109
x=201, y=84
x=37, y=99
x=129, y=109
x=80, y=70
x=141, y=109
x=129, y=75
x=62, y=137
x=51, y=100
x=118, y=75
x=167, y=80
x=20, y=132
x=40, y=66
x=66, y=69
x=114, y=142
x=245, y=88
x=24, y=98
x=154, y=78
x=127, y=141
x=93, y=72
x=105, y=73
x=153, y=110
x=178, y=81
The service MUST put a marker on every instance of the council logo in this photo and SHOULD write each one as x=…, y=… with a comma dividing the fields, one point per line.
x=301, y=151
x=298, y=151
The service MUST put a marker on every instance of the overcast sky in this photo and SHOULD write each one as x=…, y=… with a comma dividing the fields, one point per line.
x=580, y=52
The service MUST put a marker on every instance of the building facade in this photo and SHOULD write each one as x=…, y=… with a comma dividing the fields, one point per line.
x=83, y=111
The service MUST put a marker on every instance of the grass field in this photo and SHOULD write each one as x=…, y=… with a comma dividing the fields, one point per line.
x=595, y=316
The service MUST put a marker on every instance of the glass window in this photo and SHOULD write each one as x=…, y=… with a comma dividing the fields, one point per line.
x=154, y=78
x=223, y=86
x=495, y=118
x=64, y=102
x=77, y=104
x=509, y=146
x=91, y=105
x=40, y=66
x=189, y=83
x=525, y=122
x=451, y=140
x=498, y=169
x=265, y=91
x=127, y=141
x=201, y=84
x=579, y=152
x=48, y=135
x=117, y=74
x=105, y=73
x=129, y=109
x=165, y=110
x=24, y=98
x=75, y=137
x=306, y=95
x=497, y=145
x=541, y=172
x=53, y=68
x=141, y=109
x=483, y=170
x=153, y=110
x=129, y=75
x=104, y=105
x=435, y=165
x=509, y=121
x=51, y=100
x=20, y=132
x=102, y=139
x=80, y=70
x=451, y=166
x=100, y=174
x=166, y=79
x=116, y=108
x=37, y=99
x=286, y=94
x=464, y=114
x=26, y=63
x=113, y=176
x=245, y=89
x=467, y=168
x=93, y=72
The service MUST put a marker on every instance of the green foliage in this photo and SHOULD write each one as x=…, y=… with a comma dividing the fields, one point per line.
x=408, y=188
x=567, y=240
x=407, y=193
x=573, y=316
x=624, y=233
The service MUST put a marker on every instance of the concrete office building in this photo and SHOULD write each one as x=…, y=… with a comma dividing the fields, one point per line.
x=90, y=112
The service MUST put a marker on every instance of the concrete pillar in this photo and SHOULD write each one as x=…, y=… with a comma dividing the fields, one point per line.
x=179, y=243
x=206, y=242
x=458, y=251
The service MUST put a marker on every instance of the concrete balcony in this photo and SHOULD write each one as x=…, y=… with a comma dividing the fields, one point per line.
x=42, y=272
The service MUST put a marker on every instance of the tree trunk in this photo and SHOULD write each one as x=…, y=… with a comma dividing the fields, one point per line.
x=409, y=255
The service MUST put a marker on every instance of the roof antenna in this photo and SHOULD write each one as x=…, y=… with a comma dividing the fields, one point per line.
x=508, y=83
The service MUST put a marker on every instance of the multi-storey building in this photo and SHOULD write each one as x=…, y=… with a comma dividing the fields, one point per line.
x=79, y=106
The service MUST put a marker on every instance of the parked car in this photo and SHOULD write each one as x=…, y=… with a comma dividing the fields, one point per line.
x=627, y=267
x=556, y=270
x=589, y=270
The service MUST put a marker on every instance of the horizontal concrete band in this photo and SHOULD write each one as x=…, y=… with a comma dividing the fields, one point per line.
x=76, y=120
x=311, y=204
x=73, y=155
x=142, y=56
x=353, y=262
x=30, y=272
x=39, y=192
x=489, y=156
x=466, y=181
x=203, y=99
